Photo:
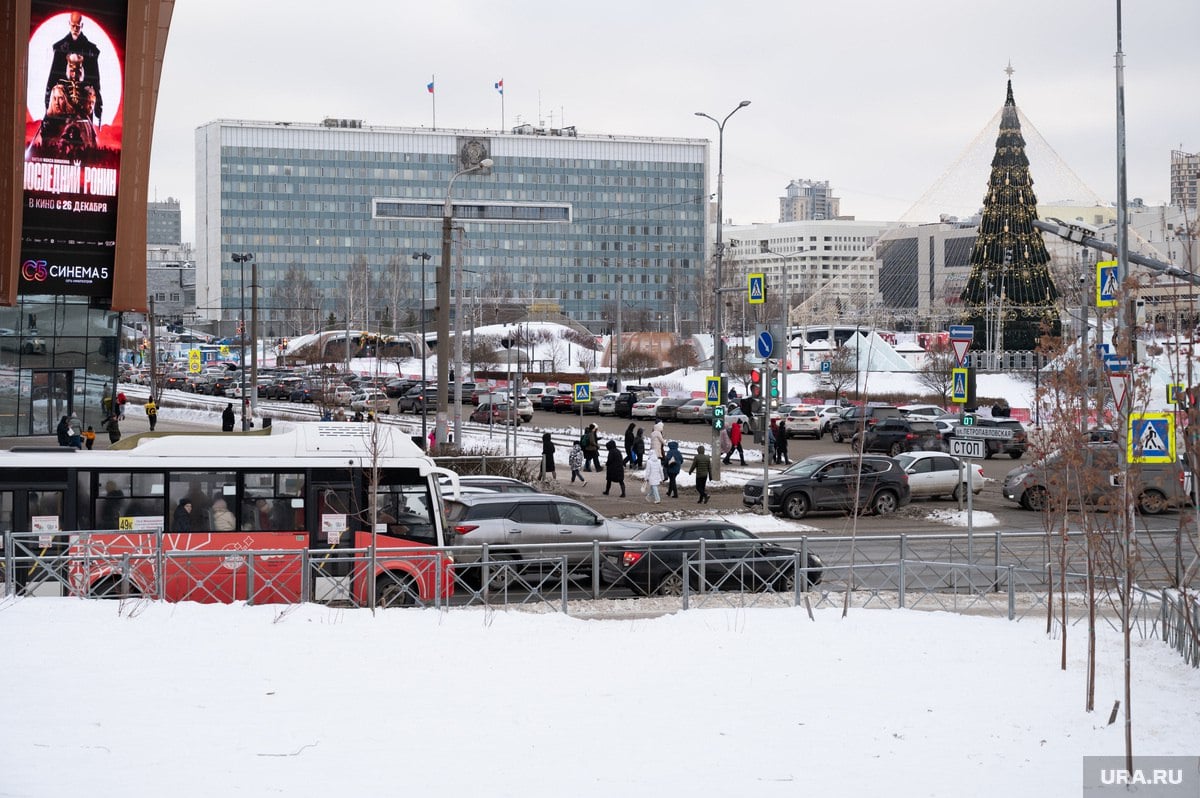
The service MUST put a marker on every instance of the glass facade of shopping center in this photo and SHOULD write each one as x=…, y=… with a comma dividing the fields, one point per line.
x=560, y=219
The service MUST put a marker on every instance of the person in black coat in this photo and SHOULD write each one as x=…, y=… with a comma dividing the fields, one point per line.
x=227, y=418
x=629, y=437
x=614, y=469
x=548, y=457
x=182, y=520
x=64, y=432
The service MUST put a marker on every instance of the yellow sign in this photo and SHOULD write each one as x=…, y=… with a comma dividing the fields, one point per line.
x=1107, y=284
x=756, y=289
x=194, y=361
x=1175, y=393
x=224, y=350
x=1151, y=438
x=958, y=386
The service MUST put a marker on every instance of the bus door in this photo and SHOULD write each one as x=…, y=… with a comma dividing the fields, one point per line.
x=50, y=398
x=36, y=554
x=334, y=516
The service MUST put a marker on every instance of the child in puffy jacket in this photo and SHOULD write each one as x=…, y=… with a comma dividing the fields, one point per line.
x=575, y=461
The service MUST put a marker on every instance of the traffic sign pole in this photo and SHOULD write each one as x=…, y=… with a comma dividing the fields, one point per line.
x=961, y=336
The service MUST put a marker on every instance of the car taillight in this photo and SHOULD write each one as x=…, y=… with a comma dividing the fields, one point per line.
x=910, y=436
x=462, y=529
x=630, y=558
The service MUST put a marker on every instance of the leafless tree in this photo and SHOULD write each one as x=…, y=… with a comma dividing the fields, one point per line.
x=936, y=375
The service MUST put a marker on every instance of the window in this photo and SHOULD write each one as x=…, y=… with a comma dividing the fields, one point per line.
x=273, y=502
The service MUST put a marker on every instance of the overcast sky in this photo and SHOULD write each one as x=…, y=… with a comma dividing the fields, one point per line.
x=886, y=100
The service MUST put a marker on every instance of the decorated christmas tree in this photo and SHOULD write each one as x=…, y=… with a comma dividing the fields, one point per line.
x=1010, y=279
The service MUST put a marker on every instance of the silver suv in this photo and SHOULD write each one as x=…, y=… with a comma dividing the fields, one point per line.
x=1038, y=486
x=532, y=519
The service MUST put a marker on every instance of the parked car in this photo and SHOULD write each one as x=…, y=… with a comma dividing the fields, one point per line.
x=546, y=400
x=531, y=519
x=396, y=388
x=922, y=412
x=827, y=482
x=303, y=392
x=341, y=395
x=827, y=414
x=646, y=407
x=502, y=410
x=734, y=559
x=564, y=402
x=1088, y=473
x=668, y=406
x=534, y=394
x=623, y=408
x=895, y=435
x=418, y=399
x=497, y=484
x=372, y=401
x=692, y=410
x=933, y=474
x=803, y=420
x=856, y=419
x=608, y=405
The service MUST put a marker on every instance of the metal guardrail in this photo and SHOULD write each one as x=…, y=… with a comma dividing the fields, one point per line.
x=1011, y=576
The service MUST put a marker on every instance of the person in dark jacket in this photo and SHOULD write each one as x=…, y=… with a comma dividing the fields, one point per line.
x=629, y=437
x=548, y=457
x=64, y=432
x=614, y=469
x=113, y=427
x=182, y=520
x=227, y=418
x=639, y=449
x=781, y=443
x=702, y=468
x=674, y=460
x=591, y=448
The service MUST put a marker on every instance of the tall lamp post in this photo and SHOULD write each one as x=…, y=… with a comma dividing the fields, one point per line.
x=443, y=302
x=718, y=355
x=241, y=258
x=423, y=257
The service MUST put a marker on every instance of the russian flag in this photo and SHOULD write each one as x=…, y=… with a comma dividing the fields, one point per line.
x=429, y=87
x=500, y=85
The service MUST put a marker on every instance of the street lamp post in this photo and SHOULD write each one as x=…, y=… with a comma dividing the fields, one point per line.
x=718, y=355
x=787, y=321
x=443, y=302
x=423, y=257
x=241, y=258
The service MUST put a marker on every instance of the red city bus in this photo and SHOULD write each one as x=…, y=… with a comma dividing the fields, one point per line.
x=322, y=511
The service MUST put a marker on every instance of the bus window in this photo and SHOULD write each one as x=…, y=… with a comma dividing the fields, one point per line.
x=110, y=504
x=273, y=501
x=200, y=488
x=121, y=494
x=404, y=508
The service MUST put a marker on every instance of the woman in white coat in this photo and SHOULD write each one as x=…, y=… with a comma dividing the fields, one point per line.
x=654, y=477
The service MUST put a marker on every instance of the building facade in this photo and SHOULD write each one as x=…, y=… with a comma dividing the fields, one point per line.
x=334, y=213
x=809, y=199
x=1185, y=178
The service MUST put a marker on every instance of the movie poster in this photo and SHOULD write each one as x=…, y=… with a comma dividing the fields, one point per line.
x=73, y=123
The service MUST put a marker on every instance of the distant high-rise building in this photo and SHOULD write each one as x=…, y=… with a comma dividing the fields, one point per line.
x=1185, y=178
x=809, y=200
x=163, y=223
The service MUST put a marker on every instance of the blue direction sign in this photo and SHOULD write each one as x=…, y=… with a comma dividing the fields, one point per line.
x=756, y=289
x=764, y=344
x=826, y=366
x=712, y=391
x=583, y=392
x=958, y=386
x=962, y=332
x=1151, y=438
x=1107, y=283
x=1116, y=364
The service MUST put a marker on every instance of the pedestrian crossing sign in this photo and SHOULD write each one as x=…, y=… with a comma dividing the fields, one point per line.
x=583, y=392
x=958, y=386
x=712, y=391
x=1151, y=438
x=1107, y=283
x=1176, y=393
x=756, y=289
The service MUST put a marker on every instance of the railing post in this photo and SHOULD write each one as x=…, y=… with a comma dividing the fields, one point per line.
x=996, y=558
x=799, y=577
x=485, y=573
x=687, y=578
x=161, y=562
x=595, y=568
x=10, y=573
x=306, y=577
x=1012, y=594
x=703, y=567
x=563, y=582
x=902, y=575
x=249, y=579
x=126, y=573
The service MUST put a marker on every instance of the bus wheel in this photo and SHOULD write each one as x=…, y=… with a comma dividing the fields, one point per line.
x=394, y=590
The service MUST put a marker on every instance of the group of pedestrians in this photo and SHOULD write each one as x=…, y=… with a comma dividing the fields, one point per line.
x=663, y=464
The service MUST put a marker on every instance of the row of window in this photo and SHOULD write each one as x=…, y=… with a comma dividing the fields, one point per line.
x=245, y=158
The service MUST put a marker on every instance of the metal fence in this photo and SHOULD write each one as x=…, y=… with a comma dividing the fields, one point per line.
x=1014, y=575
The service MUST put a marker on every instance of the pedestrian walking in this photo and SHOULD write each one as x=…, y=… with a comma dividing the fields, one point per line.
x=575, y=461
x=781, y=443
x=702, y=468
x=590, y=442
x=63, y=431
x=548, y=457
x=75, y=431
x=654, y=477
x=614, y=469
x=89, y=437
x=674, y=466
x=151, y=413
x=227, y=418
x=772, y=454
x=121, y=402
x=639, y=449
x=113, y=428
x=658, y=442
x=630, y=438
x=735, y=443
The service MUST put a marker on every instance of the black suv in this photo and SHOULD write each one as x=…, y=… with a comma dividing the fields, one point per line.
x=1014, y=447
x=894, y=436
x=856, y=419
x=624, y=406
x=827, y=482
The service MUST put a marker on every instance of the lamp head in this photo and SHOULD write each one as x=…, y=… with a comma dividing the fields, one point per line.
x=486, y=163
x=743, y=103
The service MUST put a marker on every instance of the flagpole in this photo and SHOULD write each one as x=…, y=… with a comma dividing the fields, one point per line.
x=433, y=98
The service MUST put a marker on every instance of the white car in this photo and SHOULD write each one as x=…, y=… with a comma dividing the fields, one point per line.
x=343, y=395
x=921, y=412
x=827, y=414
x=645, y=408
x=803, y=420
x=608, y=405
x=377, y=401
x=933, y=474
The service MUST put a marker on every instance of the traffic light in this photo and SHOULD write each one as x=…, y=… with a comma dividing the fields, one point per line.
x=774, y=387
x=755, y=383
x=719, y=418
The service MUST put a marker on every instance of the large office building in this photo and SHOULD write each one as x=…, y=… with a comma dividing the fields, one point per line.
x=334, y=213
x=808, y=199
x=1185, y=178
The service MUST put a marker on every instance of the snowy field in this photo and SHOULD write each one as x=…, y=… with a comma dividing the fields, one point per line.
x=190, y=700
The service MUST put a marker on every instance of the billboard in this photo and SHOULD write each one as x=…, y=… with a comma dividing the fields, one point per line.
x=74, y=118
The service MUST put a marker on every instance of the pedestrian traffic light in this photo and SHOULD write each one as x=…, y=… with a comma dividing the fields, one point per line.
x=718, y=418
x=755, y=382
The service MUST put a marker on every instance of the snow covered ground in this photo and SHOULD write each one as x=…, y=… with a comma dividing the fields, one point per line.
x=105, y=699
